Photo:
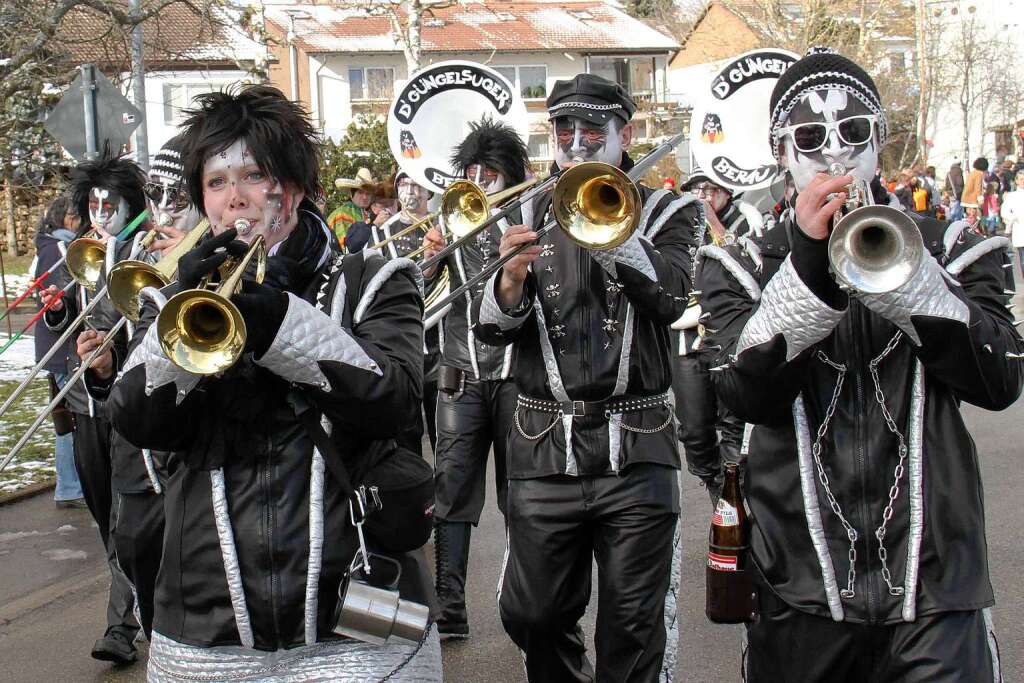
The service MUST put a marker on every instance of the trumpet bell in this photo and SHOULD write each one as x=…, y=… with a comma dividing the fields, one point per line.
x=201, y=331
x=126, y=281
x=875, y=249
x=597, y=205
x=85, y=260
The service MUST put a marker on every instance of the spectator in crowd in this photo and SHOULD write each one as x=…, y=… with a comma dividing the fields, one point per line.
x=1013, y=217
x=56, y=229
x=920, y=194
x=668, y=184
x=955, y=187
x=942, y=211
x=1006, y=176
x=990, y=207
x=357, y=208
x=904, y=190
x=972, y=215
x=974, y=186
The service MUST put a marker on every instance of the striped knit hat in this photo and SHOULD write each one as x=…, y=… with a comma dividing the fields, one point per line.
x=823, y=69
x=167, y=162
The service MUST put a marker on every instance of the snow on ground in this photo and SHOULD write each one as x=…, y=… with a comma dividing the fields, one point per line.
x=16, y=361
x=16, y=284
x=35, y=462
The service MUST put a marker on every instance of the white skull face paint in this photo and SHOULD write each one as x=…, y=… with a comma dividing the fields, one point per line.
x=577, y=141
x=489, y=180
x=236, y=193
x=169, y=203
x=829, y=106
x=108, y=211
x=411, y=197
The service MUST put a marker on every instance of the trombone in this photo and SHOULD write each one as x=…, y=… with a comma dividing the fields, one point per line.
x=202, y=331
x=597, y=205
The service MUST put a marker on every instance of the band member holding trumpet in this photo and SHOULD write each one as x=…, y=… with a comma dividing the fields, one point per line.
x=859, y=451
x=476, y=396
x=258, y=535
x=107, y=194
x=592, y=456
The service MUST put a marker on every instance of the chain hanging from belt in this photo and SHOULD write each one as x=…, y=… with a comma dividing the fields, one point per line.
x=849, y=593
x=627, y=407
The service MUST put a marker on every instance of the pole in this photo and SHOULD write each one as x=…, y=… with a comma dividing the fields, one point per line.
x=139, y=89
x=89, y=107
x=3, y=280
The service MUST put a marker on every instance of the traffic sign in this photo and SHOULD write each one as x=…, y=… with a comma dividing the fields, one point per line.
x=113, y=116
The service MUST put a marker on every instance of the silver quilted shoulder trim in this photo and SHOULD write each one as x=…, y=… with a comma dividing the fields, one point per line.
x=670, y=210
x=316, y=539
x=648, y=208
x=755, y=219
x=788, y=307
x=556, y=384
x=915, y=455
x=490, y=311
x=378, y=280
x=812, y=510
x=969, y=257
x=926, y=294
x=630, y=253
x=952, y=235
x=308, y=336
x=159, y=370
x=733, y=267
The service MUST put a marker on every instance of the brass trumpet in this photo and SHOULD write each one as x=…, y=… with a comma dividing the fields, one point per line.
x=873, y=249
x=85, y=259
x=200, y=330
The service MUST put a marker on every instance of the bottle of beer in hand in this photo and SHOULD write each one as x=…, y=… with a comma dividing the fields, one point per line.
x=728, y=584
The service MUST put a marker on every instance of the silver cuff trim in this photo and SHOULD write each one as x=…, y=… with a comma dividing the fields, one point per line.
x=308, y=336
x=961, y=262
x=147, y=460
x=630, y=253
x=316, y=539
x=557, y=387
x=614, y=440
x=230, y=556
x=648, y=209
x=325, y=662
x=378, y=280
x=812, y=510
x=490, y=311
x=158, y=368
x=734, y=268
x=622, y=377
x=952, y=236
x=915, y=436
x=926, y=294
x=670, y=210
x=788, y=307
x=993, y=647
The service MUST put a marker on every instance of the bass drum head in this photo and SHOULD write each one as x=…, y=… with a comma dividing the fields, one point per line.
x=430, y=116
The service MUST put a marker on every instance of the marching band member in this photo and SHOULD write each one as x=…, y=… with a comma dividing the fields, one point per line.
x=859, y=451
x=169, y=206
x=592, y=457
x=700, y=414
x=107, y=194
x=412, y=200
x=258, y=536
x=476, y=396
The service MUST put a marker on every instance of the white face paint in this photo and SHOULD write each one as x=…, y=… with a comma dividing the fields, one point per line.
x=489, y=180
x=172, y=209
x=829, y=106
x=108, y=211
x=577, y=141
x=411, y=197
x=237, y=194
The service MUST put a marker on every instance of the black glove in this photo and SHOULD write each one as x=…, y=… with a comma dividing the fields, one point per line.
x=204, y=259
x=263, y=308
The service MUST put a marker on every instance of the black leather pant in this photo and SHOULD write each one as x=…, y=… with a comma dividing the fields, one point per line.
x=702, y=416
x=92, y=459
x=557, y=527
x=469, y=424
x=789, y=646
x=138, y=538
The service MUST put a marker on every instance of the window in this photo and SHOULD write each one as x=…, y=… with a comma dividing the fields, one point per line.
x=178, y=97
x=532, y=81
x=636, y=75
x=539, y=146
x=371, y=83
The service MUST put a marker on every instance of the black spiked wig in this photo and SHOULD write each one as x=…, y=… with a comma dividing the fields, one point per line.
x=496, y=145
x=113, y=173
x=276, y=131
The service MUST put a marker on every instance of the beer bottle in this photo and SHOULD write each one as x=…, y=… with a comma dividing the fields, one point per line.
x=728, y=584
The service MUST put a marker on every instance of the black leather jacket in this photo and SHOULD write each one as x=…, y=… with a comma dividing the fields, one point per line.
x=784, y=351
x=583, y=334
x=243, y=465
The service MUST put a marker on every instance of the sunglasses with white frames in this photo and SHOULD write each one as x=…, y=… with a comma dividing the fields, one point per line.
x=812, y=136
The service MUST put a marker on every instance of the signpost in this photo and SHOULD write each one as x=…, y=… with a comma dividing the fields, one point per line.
x=92, y=116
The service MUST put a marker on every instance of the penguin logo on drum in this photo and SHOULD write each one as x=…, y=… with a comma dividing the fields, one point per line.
x=410, y=150
x=711, y=130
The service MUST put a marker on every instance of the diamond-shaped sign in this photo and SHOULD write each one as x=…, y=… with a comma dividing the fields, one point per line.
x=116, y=117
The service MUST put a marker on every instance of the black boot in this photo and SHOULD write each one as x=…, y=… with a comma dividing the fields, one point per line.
x=451, y=552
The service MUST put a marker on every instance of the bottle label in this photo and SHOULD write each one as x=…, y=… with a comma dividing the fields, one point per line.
x=723, y=563
x=725, y=514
